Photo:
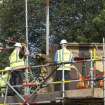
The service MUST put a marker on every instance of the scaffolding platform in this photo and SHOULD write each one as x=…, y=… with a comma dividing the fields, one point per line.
x=56, y=97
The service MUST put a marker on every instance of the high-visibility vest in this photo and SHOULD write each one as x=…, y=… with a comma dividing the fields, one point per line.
x=15, y=61
x=64, y=55
x=3, y=80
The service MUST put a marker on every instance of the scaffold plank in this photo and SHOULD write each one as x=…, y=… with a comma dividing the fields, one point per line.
x=57, y=96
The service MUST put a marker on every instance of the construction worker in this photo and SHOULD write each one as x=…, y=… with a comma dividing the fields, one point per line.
x=4, y=78
x=62, y=56
x=17, y=62
x=43, y=59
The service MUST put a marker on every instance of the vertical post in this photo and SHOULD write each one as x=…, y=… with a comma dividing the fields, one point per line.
x=92, y=72
x=104, y=67
x=6, y=92
x=63, y=75
x=47, y=27
x=26, y=20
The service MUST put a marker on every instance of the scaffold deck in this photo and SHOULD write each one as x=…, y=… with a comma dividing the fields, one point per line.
x=42, y=98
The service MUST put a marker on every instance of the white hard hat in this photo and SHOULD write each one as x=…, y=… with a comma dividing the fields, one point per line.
x=18, y=44
x=8, y=68
x=63, y=41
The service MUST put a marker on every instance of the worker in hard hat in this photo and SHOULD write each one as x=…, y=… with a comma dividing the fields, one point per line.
x=4, y=78
x=17, y=62
x=62, y=56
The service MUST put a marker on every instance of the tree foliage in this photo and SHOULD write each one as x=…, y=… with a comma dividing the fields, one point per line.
x=99, y=22
x=12, y=23
x=12, y=14
x=75, y=20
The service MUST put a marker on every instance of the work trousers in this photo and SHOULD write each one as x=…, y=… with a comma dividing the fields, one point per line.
x=17, y=79
x=58, y=77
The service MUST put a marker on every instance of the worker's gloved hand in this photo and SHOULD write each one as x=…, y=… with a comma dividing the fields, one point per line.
x=47, y=64
x=72, y=61
x=39, y=54
x=27, y=53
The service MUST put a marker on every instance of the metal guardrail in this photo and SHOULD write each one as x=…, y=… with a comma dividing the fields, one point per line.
x=47, y=65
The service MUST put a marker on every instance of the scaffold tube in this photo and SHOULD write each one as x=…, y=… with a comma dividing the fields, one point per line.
x=104, y=68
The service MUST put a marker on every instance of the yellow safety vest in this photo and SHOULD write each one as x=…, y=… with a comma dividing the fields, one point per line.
x=3, y=79
x=15, y=61
x=64, y=55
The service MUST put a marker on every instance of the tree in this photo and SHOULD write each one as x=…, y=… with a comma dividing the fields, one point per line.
x=12, y=21
x=75, y=20
x=72, y=19
x=99, y=22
